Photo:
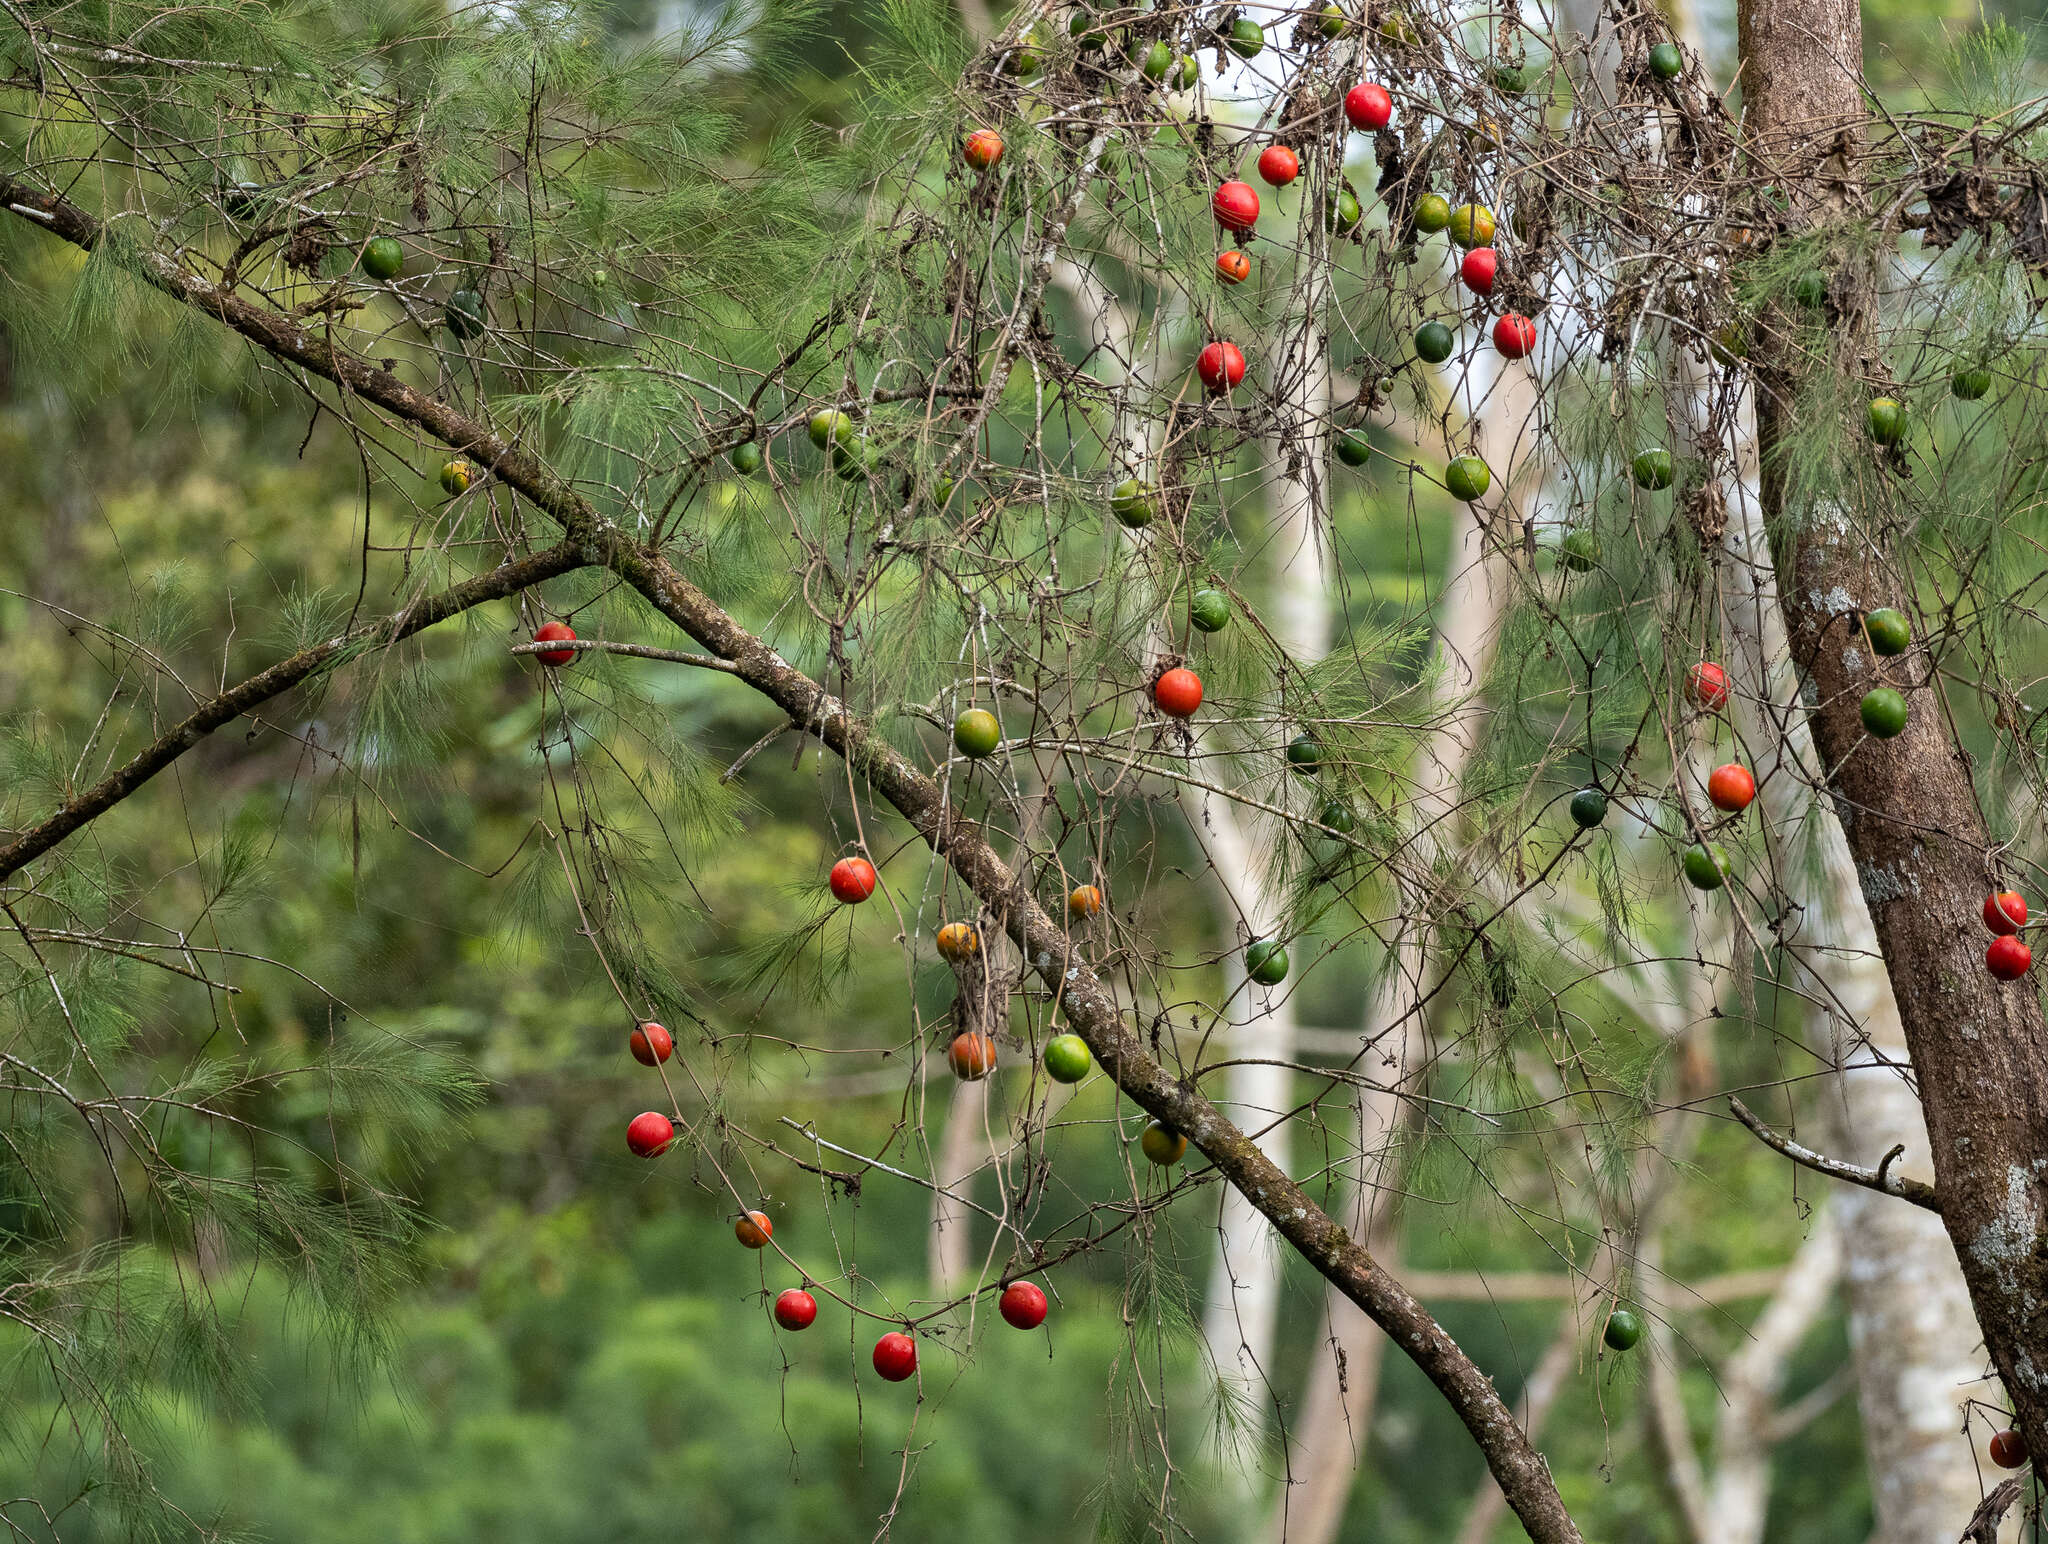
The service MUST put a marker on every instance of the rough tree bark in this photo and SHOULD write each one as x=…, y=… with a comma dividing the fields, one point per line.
x=1979, y=1047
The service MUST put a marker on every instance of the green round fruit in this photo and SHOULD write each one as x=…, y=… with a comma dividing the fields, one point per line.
x=977, y=732
x=1330, y=22
x=1651, y=469
x=384, y=260
x=1187, y=74
x=1706, y=868
x=1624, y=1329
x=942, y=490
x=1883, y=712
x=1336, y=816
x=853, y=459
x=745, y=458
x=1811, y=289
x=1969, y=385
x=1890, y=632
x=1887, y=419
x=1246, y=38
x=1158, y=60
x=1472, y=225
x=1265, y=961
x=1432, y=213
x=464, y=314
x=1467, y=478
x=1305, y=754
x=1353, y=449
x=1508, y=77
x=1067, y=1058
x=1163, y=1145
x=1434, y=342
x=456, y=477
x=1209, y=611
x=1341, y=213
x=1579, y=551
x=1666, y=62
x=1589, y=808
x=1083, y=27
x=1133, y=503
x=831, y=427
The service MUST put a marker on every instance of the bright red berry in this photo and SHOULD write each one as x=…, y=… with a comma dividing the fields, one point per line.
x=2008, y=1449
x=895, y=1356
x=1278, y=165
x=796, y=1309
x=1707, y=685
x=1478, y=270
x=1731, y=788
x=853, y=880
x=1221, y=366
x=1514, y=335
x=1368, y=107
x=1023, y=1305
x=555, y=632
x=651, y=1044
x=649, y=1134
x=2005, y=911
x=1236, y=206
x=2008, y=958
x=1234, y=266
x=1178, y=693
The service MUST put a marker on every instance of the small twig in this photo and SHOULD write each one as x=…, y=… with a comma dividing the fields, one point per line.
x=740, y=761
x=1880, y=1179
x=637, y=650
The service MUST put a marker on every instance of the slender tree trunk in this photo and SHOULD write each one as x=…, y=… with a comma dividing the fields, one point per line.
x=1979, y=1047
x=961, y=1151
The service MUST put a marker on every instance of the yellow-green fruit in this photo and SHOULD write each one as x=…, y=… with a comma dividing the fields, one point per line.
x=1471, y=225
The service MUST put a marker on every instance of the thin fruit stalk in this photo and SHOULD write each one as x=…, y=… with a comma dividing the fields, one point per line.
x=1979, y=1048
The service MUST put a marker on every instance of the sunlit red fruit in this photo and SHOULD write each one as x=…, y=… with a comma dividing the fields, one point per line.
x=982, y=149
x=1368, y=107
x=651, y=1045
x=1178, y=692
x=754, y=1230
x=2005, y=911
x=1514, y=335
x=1022, y=1305
x=1478, y=269
x=555, y=632
x=973, y=1056
x=2008, y=1449
x=2008, y=958
x=1233, y=267
x=896, y=1356
x=1706, y=684
x=1278, y=165
x=1731, y=788
x=649, y=1134
x=1221, y=366
x=796, y=1309
x=853, y=880
x=1236, y=206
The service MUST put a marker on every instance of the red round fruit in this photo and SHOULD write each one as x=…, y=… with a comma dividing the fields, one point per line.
x=1514, y=335
x=853, y=880
x=1707, y=685
x=1178, y=693
x=1234, y=266
x=1221, y=366
x=796, y=1309
x=2008, y=958
x=1023, y=1305
x=754, y=1230
x=973, y=1056
x=2008, y=1449
x=1478, y=270
x=895, y=1356
x=1368, y=107
x=1236, y=206
x=1278, y=165
x=982, y=149
x=649, y=1134
x=555, y=632
x=651, y=1044
x=2005, y=911
x=1731, y=788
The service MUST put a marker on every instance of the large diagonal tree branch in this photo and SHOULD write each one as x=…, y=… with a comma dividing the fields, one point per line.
x=1090, y=1006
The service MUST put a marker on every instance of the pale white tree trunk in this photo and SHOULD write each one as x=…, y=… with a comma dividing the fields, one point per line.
x=962, y=1150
